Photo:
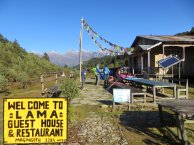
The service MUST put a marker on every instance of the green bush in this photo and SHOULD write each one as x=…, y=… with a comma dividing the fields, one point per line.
x=3, y=82
x=70, y=90
x=24, y=79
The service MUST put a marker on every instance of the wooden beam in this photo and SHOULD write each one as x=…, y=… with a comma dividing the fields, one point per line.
x=179, y=45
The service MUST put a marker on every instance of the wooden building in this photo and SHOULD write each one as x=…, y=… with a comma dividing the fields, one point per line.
x=148, y=50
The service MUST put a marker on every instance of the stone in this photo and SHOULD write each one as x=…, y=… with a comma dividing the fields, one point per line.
x=104, y=106
x=72, y=144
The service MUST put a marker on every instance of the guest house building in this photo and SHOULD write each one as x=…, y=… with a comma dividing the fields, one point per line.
x=148, y=50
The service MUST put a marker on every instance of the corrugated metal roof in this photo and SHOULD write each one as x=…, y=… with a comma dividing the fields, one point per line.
x=166, y=39
x=170, y=38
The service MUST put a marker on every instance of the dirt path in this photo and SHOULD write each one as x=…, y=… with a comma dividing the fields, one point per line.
x=92, y=95
x=97, y=127
x=140, y=126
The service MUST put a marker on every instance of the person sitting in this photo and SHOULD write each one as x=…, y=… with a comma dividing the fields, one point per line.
x=118, y=75
x=145, y=75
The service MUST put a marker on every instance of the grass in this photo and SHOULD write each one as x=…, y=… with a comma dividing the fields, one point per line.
x=81, y=112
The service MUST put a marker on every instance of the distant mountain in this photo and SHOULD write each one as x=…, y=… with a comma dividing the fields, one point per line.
x=71, y=58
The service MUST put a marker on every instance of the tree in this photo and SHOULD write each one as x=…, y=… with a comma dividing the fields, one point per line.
x=17, y=65
x=3, y=82
x=65, y=66
x=45, y=56
x=24, y=79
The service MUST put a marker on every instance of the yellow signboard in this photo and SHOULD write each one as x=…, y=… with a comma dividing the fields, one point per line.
x=35, y=120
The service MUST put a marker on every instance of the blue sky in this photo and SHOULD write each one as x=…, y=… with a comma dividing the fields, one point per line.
x=54, y=25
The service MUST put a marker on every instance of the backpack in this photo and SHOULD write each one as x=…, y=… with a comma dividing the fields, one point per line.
x=106, y=70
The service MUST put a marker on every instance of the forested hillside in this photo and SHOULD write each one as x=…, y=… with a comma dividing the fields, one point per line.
x=191, y=32
x=111, y=61
x=17, y=65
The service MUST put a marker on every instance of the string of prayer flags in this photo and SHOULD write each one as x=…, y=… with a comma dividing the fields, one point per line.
x=93, y=34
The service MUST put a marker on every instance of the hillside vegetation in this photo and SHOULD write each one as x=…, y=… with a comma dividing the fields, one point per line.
x=17, y=65
x=189, y=33
x=110, y=61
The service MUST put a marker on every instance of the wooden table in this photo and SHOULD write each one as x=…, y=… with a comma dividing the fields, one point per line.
x=154, y=84
x=184, y=112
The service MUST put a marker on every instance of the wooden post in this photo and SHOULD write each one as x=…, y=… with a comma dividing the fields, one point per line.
x=174, y=92
x=141, y=63
x=148, y=64
x=113, y=105
x=80, y=50
x=183, y=67
x=179, y=72
x=42, y=83
x=172, y=74
x=132, y=61
x=56, y=77
x=161, y=115
x=154, y=94
x=163, y=58
x=163, y=51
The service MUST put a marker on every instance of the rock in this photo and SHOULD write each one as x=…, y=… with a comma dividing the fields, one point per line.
x=73, y=144
x=104, y=106
x=98, y=128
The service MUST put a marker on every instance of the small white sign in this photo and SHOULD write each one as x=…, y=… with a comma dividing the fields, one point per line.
x=121, y=95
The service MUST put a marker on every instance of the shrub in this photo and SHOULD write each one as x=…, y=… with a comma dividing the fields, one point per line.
x=3, y=82
x=70, y=90
x=24, y=79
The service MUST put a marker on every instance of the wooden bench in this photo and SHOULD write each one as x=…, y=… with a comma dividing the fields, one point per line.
x=135, y=92
x=53, y=92
x=182, y=89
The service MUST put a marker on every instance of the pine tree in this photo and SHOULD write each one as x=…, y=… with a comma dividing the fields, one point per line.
x=45, y=56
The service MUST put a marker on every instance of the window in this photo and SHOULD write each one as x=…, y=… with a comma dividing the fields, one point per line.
x=174, y=52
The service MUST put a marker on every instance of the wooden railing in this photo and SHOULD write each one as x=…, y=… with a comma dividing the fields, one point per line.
x=55, y=78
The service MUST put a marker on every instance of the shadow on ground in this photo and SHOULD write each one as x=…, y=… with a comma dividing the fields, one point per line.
x=105, y=102
x=148, y=123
